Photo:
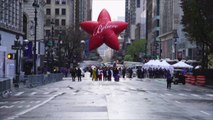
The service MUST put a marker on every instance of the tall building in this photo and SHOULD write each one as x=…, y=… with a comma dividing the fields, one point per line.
x=58, y=16
x=153, y=27
x=130, y=18
x=138, y=22
x=11, y=29
x=174, y=43
x=143, y=19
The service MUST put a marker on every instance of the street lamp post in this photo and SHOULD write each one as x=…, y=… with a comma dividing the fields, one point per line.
x=59, y=48
x=83, y=48
x=35, y=5
x=160, y=48
x=53, y=44
x=17, y=44
x=175, y=36
x=0, y=39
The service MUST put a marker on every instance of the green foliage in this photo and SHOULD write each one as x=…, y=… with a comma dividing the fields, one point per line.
x=136, y=47
x=128, y=58
x=198, y=21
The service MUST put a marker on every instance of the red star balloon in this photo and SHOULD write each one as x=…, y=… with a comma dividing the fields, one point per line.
x=104, y=31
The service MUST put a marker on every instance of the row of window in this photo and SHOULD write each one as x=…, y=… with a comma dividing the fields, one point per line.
x=57, y=11
x=55, y=33
x=10, y=13
x=56, y=1
x=56, y=23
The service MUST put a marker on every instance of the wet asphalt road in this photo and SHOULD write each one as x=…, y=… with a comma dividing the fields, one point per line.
x=142, y=99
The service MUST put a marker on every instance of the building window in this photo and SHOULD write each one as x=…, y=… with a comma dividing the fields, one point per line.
x=48, y=11
x=158, y=23
x=56, y=11
x=63, y=22
x=63, y=12
x=138, y=3
x=48, y=33
x=57, y=1
x=158, y=7
x=63, y=2
x=48, y=2
x=56, y=22
x=48, y=22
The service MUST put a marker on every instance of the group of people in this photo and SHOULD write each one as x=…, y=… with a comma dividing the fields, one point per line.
x=75, y=72
x=104, y=73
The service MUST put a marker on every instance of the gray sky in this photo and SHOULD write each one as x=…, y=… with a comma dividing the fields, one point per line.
x=116, y=8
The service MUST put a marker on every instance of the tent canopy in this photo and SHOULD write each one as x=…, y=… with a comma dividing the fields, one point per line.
x=181, y=64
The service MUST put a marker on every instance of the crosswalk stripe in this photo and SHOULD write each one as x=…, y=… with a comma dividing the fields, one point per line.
x=16, y=102
x=181, y=94
x=20, y=106
x=45, y=93
x=33, y=93
x=19, y=93
x=195, y=95
x=205, y=112
x=210, y=95
x=5, y=106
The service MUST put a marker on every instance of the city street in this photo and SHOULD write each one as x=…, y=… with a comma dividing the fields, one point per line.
x=142, y=99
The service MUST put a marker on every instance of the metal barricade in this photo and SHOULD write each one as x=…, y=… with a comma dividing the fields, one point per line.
x=5, y=87
x=42, y=79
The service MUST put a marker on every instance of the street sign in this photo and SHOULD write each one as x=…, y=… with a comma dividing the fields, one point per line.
x=14, y=47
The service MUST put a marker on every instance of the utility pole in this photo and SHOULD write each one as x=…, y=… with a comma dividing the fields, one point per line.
x=35, y=5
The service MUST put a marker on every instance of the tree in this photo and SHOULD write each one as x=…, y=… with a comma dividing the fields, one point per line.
x=72, y=45
x=136, y=48
x=128, y=58
x=198, y=24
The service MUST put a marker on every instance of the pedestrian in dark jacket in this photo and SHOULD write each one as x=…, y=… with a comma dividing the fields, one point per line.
x=124, y=72
x=73, y=73
x=169, y=80
x=79, y=74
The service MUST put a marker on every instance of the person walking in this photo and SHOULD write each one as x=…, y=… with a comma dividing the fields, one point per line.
x=124, y=72
x=169, y=80
x=94, y=77
x=73, y=73
x=79, y=74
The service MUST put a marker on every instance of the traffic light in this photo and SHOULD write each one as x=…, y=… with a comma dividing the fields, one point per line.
x=10, y=56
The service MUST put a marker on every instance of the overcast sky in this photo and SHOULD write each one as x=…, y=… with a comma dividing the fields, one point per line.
x=116, y=8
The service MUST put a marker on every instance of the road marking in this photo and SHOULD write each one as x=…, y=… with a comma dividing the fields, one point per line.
x=181, y=94
x=34, y=107
x=5, y=102
x=205, y=112
x=19, y=93
x=168, y=94
x=16, y=102
x=27, y=106
x=33, y=93
x=5, y=106
x=195, y=95
x=45, y=93
x=177, y=102
x=35, y=101
x=20, y=106
x=210, y=95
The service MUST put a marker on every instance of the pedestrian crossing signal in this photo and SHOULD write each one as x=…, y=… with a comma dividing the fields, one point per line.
x=10, y=56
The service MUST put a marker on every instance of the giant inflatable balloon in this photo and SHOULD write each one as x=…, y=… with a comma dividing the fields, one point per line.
x=104, y=31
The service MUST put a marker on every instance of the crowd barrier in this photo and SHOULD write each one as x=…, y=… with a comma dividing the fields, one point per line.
x=42, y=79
x=195, y=80
x=201, y=80
x=5, y=86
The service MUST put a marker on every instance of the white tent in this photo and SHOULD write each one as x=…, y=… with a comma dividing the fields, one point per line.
x=181, y=64
x=157, y=64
